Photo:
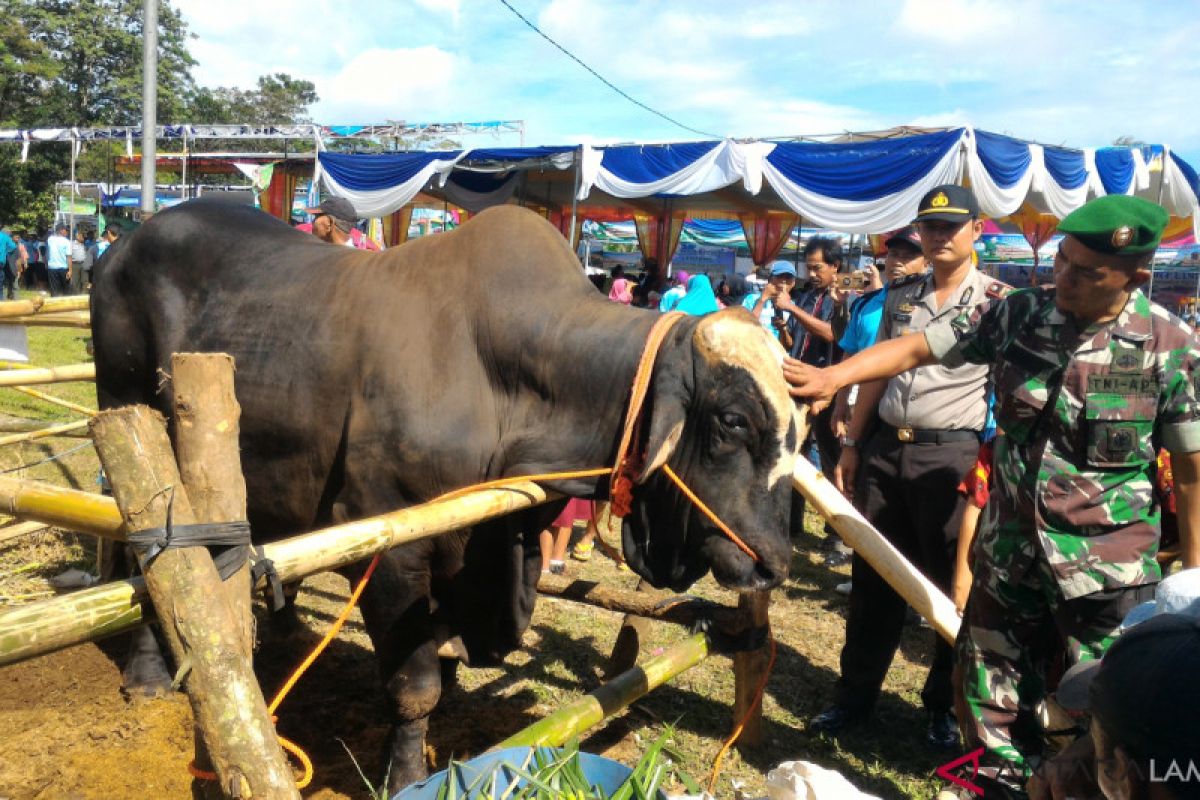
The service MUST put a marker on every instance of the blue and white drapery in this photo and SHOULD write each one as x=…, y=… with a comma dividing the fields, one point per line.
x=671, y=169
x=869, y=187
x=854, y=187
x=848, y=187
x=864, y=187
x=377, y=185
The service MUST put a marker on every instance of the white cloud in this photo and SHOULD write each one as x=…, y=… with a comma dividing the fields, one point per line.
x=377, y=85
x=448, y=7
x=1052, y=72
x=958, y=21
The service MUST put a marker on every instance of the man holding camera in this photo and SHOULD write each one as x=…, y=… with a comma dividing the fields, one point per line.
x=807, y=334
x=927, y=424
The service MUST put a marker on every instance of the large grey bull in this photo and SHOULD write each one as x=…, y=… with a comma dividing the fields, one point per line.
x=370, y=382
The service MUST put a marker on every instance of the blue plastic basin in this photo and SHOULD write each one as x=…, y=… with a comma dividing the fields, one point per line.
x=599, y=771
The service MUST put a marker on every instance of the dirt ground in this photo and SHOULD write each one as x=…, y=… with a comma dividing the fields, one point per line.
x=66, y=732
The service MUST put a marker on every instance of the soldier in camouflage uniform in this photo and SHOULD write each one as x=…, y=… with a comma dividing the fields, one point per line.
x=1091, y=378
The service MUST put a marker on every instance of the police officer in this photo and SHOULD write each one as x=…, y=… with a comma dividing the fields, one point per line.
x=1091, y=377
x=928, y=429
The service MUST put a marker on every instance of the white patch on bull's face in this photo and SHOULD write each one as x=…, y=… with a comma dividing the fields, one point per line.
x=738, y=340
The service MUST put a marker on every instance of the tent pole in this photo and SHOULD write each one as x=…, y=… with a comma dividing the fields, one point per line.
x=149, y=104
x=574, y=202
x=71, y=212
x=183, y=184
x=1162, y=182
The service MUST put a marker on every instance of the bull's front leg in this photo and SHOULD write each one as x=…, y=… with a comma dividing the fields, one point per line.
x=396, y=611
x=414, y=690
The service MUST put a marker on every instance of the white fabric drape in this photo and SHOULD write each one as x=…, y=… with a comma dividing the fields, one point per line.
x=1055, y=199
x=716, y=169
x=381, y=202
x=856, y=216
x=995, y=200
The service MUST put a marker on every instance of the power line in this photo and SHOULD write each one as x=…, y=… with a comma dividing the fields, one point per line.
x=602, y=79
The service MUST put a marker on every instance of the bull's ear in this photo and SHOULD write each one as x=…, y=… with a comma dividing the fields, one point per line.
x=664, y=437
x=672, y=385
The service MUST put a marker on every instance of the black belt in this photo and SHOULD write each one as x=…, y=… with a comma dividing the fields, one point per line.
x=918, y=436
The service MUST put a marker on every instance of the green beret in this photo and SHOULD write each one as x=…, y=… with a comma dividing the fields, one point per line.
x=1117, y=224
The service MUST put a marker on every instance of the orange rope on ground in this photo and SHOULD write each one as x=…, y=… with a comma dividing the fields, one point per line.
x=737, y=731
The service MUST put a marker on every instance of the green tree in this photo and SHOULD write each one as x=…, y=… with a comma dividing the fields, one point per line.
x=96, y=50
x=277, y=98
x=25, y=70
x=78, y=63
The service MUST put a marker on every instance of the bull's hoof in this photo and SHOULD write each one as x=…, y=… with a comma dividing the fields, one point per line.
x=145, y=674
x=147, y=690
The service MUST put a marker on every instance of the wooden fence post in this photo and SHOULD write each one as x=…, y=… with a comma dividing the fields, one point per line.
x=196, y=620
x=206, y=416
x=750, y=669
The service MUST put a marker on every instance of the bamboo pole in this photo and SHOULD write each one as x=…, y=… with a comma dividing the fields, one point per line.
x=48, y=625
x=206, y=445
x=93, y=613
x=70, y=372
x=58, y=401
x=750, y=669
x=65, y=319
x=591, y=709
x=53, y=430
x=10, y=424
x=19, y=529
x=226, y=700
x=42, y=305
x=909, y=583
x=64, y=508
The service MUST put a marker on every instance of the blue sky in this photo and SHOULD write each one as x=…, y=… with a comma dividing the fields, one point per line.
x=1073, y=73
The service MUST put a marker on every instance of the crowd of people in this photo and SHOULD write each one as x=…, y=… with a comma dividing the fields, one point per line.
x=1034, y=453
x=60, y=264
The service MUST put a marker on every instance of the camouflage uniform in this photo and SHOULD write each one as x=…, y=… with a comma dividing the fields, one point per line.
x=1068, y=539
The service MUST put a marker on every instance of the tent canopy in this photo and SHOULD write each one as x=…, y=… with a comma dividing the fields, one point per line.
x=864, y=186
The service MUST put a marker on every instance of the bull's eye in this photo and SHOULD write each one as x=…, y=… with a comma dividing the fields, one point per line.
x=734, y=421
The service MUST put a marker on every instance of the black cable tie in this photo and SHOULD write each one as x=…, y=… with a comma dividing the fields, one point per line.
x=260, y=567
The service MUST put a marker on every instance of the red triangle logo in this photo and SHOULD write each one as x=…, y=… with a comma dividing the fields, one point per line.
x=946, y=771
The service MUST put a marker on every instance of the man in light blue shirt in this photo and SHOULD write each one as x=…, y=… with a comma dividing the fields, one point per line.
x=762, y=304
x=58, y=260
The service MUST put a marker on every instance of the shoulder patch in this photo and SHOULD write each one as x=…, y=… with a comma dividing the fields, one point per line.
x=998, y=289
x=906, y=280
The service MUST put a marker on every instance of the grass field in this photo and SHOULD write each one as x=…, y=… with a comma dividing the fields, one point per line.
x=562, y=654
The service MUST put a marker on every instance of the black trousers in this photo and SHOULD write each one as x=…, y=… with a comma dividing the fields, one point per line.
x=58, y=282
x=910, y=493
x=830, y=450
x=9, y=283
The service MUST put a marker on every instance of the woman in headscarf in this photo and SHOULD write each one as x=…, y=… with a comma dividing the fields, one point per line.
x=621, y=291
x=734, y=291
x=675, y=293
x=699, y=299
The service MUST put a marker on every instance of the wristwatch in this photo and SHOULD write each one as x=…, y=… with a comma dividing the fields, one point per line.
x=848, y=442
